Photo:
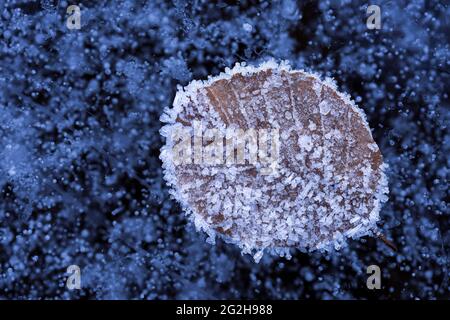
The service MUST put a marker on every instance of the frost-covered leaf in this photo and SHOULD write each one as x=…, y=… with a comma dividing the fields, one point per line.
x=327, y=180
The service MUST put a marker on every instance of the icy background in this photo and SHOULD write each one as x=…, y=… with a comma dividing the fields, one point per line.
x=80, y=176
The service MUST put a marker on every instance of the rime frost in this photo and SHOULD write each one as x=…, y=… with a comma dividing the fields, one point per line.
x=330, y=181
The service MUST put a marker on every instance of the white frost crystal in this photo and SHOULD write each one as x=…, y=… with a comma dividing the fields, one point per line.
x=327, y=183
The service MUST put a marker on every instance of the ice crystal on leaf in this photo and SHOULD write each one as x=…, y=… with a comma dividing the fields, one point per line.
x=329, y=182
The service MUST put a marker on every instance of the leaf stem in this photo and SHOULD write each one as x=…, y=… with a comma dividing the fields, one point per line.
x=389, y=243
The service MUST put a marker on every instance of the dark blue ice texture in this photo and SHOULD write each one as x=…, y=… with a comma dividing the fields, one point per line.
x=80, y=176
